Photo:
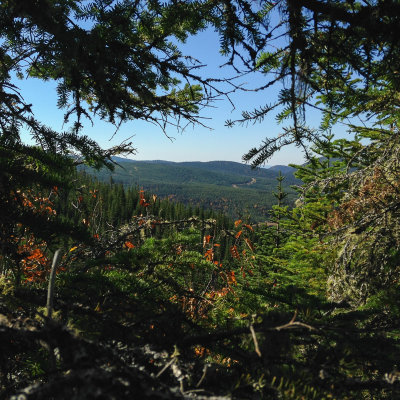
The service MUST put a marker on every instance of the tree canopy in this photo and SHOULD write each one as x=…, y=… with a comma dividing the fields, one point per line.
x=149, y=297
x=338, y=57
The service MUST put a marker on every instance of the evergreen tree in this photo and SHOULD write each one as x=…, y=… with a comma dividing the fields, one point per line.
x=116, y=61
x=261, y=318
x=280, y=195
x=338, y=58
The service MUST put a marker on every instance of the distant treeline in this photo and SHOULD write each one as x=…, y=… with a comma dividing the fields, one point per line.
x=109, y=205
x=226, y=187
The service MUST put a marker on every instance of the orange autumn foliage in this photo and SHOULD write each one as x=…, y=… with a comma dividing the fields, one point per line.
x=34, y=264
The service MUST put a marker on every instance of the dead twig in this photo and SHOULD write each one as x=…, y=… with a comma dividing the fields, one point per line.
x=253, y=335
x=50, y=289
x=293, y=324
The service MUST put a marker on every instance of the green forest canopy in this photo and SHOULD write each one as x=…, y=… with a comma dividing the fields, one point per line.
x=275, y=319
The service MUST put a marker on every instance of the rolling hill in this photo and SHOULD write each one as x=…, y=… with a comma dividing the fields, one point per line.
x=230, y=187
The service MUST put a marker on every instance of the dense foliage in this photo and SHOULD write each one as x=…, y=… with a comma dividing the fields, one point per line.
x=154, y=299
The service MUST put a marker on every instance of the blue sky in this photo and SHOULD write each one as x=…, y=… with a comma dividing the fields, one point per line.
x=196, y=143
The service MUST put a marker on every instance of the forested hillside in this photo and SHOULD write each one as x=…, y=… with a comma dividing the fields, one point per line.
x=108, y=291
x=233, y=188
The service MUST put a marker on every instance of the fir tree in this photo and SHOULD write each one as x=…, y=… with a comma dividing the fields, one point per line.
x=280, y=195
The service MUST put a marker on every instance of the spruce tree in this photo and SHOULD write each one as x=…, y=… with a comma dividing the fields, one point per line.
x=113, y=61
x=280, y=195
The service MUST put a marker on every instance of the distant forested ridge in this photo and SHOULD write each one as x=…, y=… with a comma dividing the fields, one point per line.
x=233, y=188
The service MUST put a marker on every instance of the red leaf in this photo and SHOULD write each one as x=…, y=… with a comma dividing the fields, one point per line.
x=234, y=252
x=206, y=240
x=209, y=255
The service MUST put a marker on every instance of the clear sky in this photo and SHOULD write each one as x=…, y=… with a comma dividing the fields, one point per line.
x=196, y=143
